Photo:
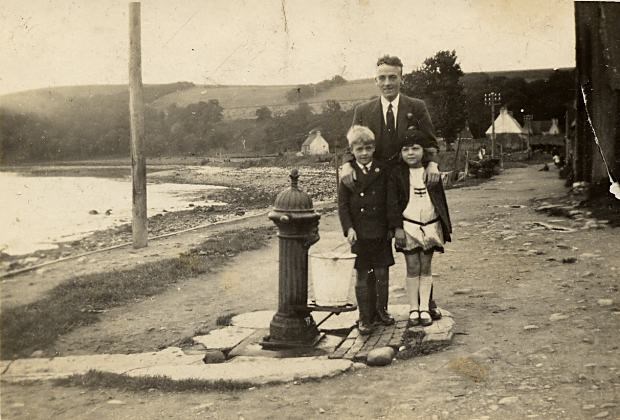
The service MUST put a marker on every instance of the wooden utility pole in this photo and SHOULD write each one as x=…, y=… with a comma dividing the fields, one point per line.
x=492, y=99
x=136, y=113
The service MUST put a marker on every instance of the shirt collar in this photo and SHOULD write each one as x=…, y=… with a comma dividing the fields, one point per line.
x=368, y=166
x=385, y=103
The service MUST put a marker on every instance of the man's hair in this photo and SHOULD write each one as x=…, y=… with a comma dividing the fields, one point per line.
x=358, y=134
x=390, y=60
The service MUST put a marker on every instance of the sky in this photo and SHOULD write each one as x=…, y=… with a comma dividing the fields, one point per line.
x=69, y=42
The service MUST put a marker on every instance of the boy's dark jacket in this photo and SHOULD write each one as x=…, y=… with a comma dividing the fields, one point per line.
x=365, y=207
x=398, y=197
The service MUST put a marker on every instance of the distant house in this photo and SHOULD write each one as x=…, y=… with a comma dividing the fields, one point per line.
x=545, y=127
x=508, y=131
x=315, y=144
x=545, y=135
x=465, y=134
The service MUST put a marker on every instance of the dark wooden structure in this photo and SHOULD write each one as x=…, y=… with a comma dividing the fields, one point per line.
x=598, y=72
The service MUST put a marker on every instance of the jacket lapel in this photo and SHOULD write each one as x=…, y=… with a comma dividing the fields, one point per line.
x=401, y=124
x=376, y=117
x=366, y=180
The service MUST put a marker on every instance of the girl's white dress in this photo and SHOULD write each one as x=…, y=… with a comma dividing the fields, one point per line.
x=420, y=220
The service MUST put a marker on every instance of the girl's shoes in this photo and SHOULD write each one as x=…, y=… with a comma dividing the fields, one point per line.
x=414, y=318
x=425, y=321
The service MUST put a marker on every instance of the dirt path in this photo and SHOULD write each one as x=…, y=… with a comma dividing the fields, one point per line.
x=534, y=338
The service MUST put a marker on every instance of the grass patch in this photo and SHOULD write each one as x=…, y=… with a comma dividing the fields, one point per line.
x=98, y=379
x=469, y=368
x=80, y=300
x=224, y=320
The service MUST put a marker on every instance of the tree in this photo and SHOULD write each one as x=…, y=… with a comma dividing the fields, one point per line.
x=332, y=107
x=263, y=113
x=438, y=83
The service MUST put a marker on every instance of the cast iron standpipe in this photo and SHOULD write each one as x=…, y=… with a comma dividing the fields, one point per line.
x=298, y=230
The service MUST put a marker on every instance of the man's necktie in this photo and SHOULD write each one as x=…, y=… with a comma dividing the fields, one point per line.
x=389, y=120
x=365, y=169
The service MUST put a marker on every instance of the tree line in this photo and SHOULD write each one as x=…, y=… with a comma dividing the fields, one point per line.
x=98, y=126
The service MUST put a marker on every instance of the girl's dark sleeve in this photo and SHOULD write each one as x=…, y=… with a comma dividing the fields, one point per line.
x=344, y=208
x=395, y=219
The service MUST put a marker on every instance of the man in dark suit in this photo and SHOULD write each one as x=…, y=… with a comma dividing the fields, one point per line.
x=389, y=117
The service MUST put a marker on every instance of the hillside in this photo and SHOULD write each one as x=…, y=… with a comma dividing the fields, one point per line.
x=237, y=101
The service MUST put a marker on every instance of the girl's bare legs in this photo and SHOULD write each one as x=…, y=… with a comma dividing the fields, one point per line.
x=412, y=281
x=426, y=285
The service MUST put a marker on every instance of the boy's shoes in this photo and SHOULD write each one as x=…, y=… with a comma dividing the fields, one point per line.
x=384, y=317
x=414, y=318
x=364, y=328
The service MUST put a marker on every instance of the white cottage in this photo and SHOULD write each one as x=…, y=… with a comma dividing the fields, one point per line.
x=315, y=144
x=508, y=132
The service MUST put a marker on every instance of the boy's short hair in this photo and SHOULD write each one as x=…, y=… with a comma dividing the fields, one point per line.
x=390, y=60
x=359, y=134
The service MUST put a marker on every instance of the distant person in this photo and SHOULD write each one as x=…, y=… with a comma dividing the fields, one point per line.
x=482, y=152
x=363, y=216
x=418, y=213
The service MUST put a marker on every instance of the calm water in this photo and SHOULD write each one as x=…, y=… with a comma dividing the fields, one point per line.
x=36, y=211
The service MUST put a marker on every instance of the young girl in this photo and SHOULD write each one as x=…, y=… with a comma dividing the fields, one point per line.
x=419, y=216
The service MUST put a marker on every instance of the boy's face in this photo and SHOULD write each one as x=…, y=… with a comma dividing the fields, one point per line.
x=412, y=155
x=363, y=152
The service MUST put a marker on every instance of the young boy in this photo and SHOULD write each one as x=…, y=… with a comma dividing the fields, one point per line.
x=363, y=216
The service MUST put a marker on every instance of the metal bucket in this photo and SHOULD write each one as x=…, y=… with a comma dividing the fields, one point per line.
x=331, y=275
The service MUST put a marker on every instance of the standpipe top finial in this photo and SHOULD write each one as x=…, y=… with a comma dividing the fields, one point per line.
x=294, y=178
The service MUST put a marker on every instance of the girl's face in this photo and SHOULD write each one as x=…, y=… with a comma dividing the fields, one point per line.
x=412, y=155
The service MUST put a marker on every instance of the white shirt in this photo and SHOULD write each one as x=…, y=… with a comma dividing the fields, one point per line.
x=362, y=166
x=385, y=103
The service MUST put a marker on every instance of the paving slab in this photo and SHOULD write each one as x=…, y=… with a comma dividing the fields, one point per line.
x=411, y=340
x=255, y=320
x=224, y=339
x=62, y=367
x=252, y=370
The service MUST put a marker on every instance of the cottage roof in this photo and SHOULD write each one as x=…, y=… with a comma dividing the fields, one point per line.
x=465, y=133
x=505, y=124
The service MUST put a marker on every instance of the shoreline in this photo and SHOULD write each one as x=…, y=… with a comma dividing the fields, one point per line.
x=249, y=190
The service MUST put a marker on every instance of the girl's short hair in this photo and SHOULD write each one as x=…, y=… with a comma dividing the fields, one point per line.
x=359, y=134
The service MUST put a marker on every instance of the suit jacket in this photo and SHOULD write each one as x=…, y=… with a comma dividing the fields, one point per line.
x=365, y=207
x=398, y=197
x=411, y=112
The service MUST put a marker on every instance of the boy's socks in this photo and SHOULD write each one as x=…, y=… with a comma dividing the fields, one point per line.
x=426, y=284
x=413, y=287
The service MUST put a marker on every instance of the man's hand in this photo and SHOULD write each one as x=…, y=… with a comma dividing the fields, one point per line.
x=400, y=238
x=347, y=175
x=351, y=236
x=431, y=173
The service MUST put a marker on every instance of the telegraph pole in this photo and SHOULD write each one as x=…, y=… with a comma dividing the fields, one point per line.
x=491, y=99
x=527, y=121
x=136, y=114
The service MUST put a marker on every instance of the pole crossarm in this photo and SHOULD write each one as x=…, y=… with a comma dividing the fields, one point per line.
x=492, y=99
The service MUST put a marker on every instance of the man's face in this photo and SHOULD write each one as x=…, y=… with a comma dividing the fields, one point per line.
x=388, y=80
